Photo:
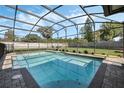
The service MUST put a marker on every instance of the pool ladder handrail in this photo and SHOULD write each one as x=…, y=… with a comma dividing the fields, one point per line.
x=76, y=60
x=86, y=64
x=26, y=61
x=13, y=60
x=38, y=56
x=33, y=57
x=16, y=58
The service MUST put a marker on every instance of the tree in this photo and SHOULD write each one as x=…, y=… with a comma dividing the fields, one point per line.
x=105, y=32
x=82, y=32
x=97, y=35
x=46, y=31
x=87, y=31
x=9, y=35
x=110, y=30
x=31, y=38
x=17, y=38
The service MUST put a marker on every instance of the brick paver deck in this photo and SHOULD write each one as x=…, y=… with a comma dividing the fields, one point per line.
x=114, y=77
x=11, y=79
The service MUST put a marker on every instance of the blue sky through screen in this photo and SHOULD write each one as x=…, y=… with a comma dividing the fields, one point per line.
x=67, y=10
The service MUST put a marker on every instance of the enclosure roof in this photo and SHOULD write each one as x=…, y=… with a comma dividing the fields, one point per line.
x=30, y=18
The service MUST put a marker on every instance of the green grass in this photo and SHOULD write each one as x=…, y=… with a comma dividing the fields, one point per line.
x=90, y=50
x=98, y=51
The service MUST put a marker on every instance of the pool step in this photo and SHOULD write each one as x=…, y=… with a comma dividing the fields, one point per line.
x=22, y=64
x=75, y=61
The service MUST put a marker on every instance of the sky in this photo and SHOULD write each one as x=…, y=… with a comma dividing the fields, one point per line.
x=67, y=10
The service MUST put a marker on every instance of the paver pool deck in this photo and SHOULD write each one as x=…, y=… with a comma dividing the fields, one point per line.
x=109, y=75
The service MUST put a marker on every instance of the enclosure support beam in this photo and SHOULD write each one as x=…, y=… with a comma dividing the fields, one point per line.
x=14, y=22
x=76, y=26
x=58, y=14
x=18, y=20
x=91, y=22
x=32, y=14
x=93, y=26
x=75, y=18
x=110, y=25
x=123, y=39
x=42, y=18
x=66, y=36
x=40, y=41
x=36, y=24
x=94, y=39
x=51, y=41
x=106, y=18
x=58, y=40
x=93, y=14
x=86, y=23
x=47, y=43
x=9, y=27
x=58, y=30
x=4, y=30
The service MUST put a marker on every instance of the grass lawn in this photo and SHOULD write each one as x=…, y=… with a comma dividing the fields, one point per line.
x=90, y=50
x=98, y=51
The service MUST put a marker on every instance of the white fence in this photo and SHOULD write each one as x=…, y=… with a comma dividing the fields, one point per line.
x=25, y=45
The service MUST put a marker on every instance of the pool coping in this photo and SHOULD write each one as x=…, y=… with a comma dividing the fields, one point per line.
x=77, y=54
x=97, y=81
x=29, y=80
x=86, y=55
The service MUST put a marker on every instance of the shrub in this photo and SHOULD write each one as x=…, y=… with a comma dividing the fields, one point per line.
x=56, y=49
x=59, y=49
x=79, y=52
x=74, y=51
x=103, y=53
x=85, y=51
x=63, y=50
x=66, y=50
x=52, y=46
x=92, y=53
x=119, y=56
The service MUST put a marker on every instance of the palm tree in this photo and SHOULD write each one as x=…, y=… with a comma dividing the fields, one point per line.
x=46, y=31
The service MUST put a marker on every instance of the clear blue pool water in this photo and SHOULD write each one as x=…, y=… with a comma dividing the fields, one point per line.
x=51, y=69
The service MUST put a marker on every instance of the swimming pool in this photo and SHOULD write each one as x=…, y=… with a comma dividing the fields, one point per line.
x=53, y=69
